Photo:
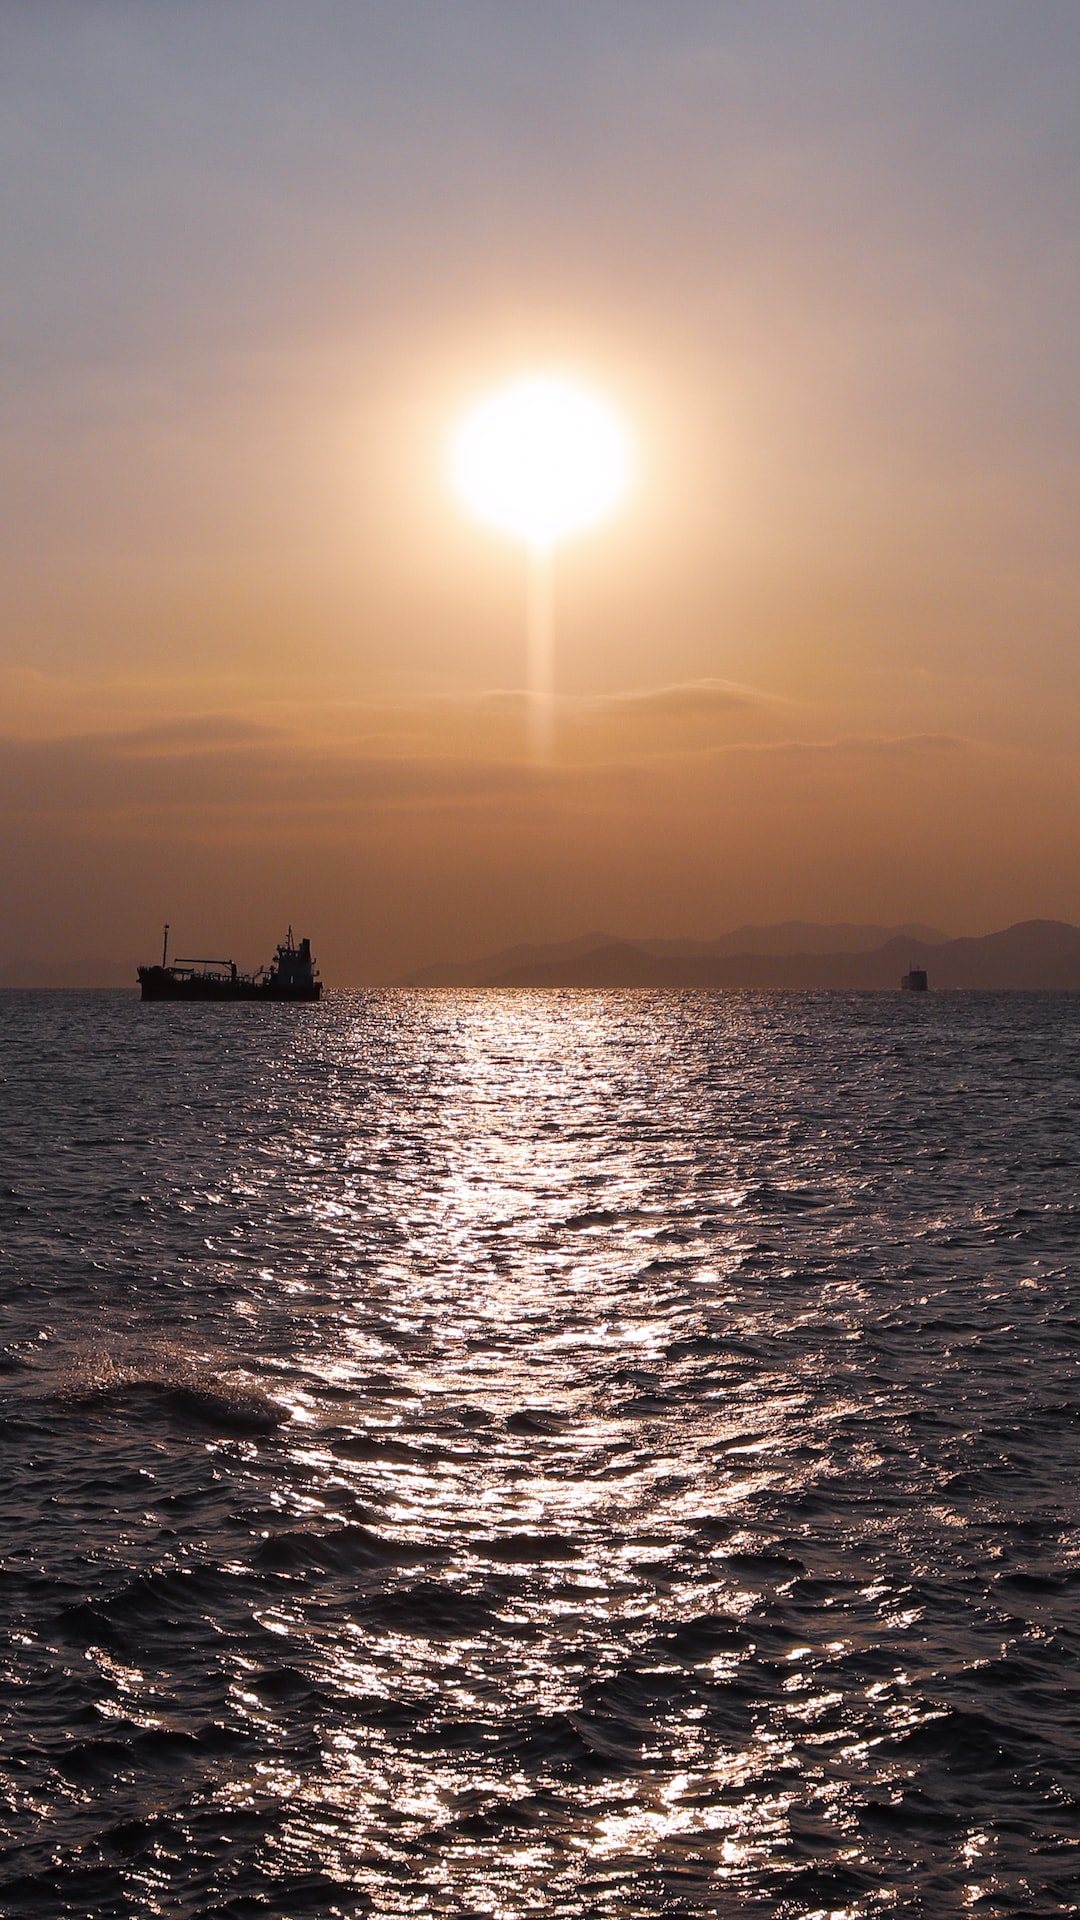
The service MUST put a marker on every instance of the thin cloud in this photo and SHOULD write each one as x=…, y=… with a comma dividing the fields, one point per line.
x=687, y=699
x=211, y=732
x=849, y=748
x=261, y=774
x=905, y=745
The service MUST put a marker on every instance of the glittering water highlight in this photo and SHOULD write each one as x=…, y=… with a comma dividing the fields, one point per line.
x=580, y=1454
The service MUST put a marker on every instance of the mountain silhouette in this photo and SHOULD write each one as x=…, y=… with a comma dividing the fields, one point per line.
x=785, y=937
x=1034, y=955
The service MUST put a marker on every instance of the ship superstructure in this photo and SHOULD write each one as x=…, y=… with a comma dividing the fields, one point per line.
x=292, y=975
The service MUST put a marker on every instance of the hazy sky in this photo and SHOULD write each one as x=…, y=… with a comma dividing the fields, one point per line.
x=257, y=665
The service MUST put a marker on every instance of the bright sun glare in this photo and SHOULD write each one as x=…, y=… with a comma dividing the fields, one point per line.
x=542, y=459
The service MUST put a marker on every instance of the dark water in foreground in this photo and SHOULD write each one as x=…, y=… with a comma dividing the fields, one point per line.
x=573, y=1454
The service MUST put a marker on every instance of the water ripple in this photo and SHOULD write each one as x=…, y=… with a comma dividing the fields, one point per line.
x=492, y=1454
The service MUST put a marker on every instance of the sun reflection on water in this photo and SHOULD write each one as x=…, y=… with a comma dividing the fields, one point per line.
x=516, y=1460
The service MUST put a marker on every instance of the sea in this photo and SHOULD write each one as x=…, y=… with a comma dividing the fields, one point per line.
x=570, y=1454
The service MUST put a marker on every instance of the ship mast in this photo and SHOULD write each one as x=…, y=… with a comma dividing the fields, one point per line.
x=165, y=946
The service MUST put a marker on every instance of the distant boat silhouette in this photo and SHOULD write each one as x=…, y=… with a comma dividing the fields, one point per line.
x=915, y=981
x=292, y=976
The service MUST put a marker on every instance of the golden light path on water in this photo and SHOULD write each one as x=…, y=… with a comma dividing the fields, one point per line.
x=499, y=1319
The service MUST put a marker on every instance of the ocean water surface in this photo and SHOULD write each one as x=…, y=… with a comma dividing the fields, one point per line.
x=581, y=1454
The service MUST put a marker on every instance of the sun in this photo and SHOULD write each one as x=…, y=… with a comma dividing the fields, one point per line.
x=542, y=459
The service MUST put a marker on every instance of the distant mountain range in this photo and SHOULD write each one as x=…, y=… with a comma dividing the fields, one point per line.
x=785, y=937
x=1035, y=955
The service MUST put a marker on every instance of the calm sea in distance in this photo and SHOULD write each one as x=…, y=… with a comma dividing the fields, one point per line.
x=579, y=1454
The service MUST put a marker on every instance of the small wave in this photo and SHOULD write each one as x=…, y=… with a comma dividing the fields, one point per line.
x=526, y=1549
x=431, y=1611
x=371, y=1445
x=340, y=1550
x=965, y=1742
x=1028, y=1581
x=698, y=1640
x=536, y=1421
x=732, y=1441
x=819, y=1890
x=577, y=1744
x=93, y=1762
x=225, y=1407
x=148, y=1604
x=765, y=1566
x=282, y=1684
x=14, y=1424
x=173, y=1387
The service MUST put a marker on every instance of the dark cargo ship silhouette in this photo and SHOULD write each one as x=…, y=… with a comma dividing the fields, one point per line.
x=292, y=976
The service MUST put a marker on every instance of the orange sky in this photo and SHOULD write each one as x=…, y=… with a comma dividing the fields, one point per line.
x=256, y=665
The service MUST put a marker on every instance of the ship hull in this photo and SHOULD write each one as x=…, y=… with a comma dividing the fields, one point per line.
x=160, y=983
